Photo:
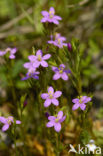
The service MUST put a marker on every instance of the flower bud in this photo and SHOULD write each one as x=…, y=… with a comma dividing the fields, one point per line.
x=47, y=114
x=69, y=46
x=25, y=103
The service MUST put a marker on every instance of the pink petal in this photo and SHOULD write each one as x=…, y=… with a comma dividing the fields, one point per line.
x=47, y=56
x=75, y=106
x=57, y=17
x=55, y=21
x=51, y=90
x=54, y=68
x=57, y=94
x=51, y=42
x=57, y=127
x=39, y=52
x=44, y=20
x=55, y=102
x=12, y=56
x=44, y=64
x=27, y=65
x=50, y=124
x=5, y=127
x=44, y=96
x=51, y=118
x=18, y=122
x=62, y=119
x=44, y=13
x=64, y=76
x=75, y=100
x=3, y=120
x=13, y=51
x=56, y=76
x=60, y=114
x=47, y=103
x=36, y=64
x=82, y=106
x=32, y=57
x=52, y=10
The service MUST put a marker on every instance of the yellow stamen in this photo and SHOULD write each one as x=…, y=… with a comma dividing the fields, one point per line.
x=56, y=120
x=51, y=14
x=50, y=95
x=39, y=57
x=61, y=70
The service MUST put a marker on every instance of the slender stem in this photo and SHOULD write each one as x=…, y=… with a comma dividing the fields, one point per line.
x=15, y=141
x=57, y=144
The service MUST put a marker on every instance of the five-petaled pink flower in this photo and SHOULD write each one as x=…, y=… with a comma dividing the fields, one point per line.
x=80, y=102
x=50, y=16
x=58, y=40
x=39, y=59
x=60, y=72
x=51, y=97
x=8, y=122
x=55, y=121
x=32, y=73
x=12, y=52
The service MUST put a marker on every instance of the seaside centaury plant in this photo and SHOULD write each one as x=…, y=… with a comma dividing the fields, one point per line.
x=62, y=73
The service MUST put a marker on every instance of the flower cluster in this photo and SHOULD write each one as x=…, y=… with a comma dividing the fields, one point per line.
x=60, y=72
x=35, y=62
x=11, y=52
x=8, y=122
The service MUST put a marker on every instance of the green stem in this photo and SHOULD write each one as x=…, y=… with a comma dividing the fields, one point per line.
x=57, y=145
x=15, y=141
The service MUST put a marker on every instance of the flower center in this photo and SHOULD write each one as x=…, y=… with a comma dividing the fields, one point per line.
x=39, y=58
x=80, y=101
x=61, y=70
x=50, y=95
x=51, y=14
x=56, y=120
x=31, y=71
x=10, y=120
x=8, y=50
x=59, y=41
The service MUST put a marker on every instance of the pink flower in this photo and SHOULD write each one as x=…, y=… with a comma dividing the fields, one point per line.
x=80, y=102
x=12, y=52
x=39, y=59
x=8, y=122
x=55, y=121
x=58, y=41
x=50, y=16
x=60, y=72
x=32, y=73
x=51, y=97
